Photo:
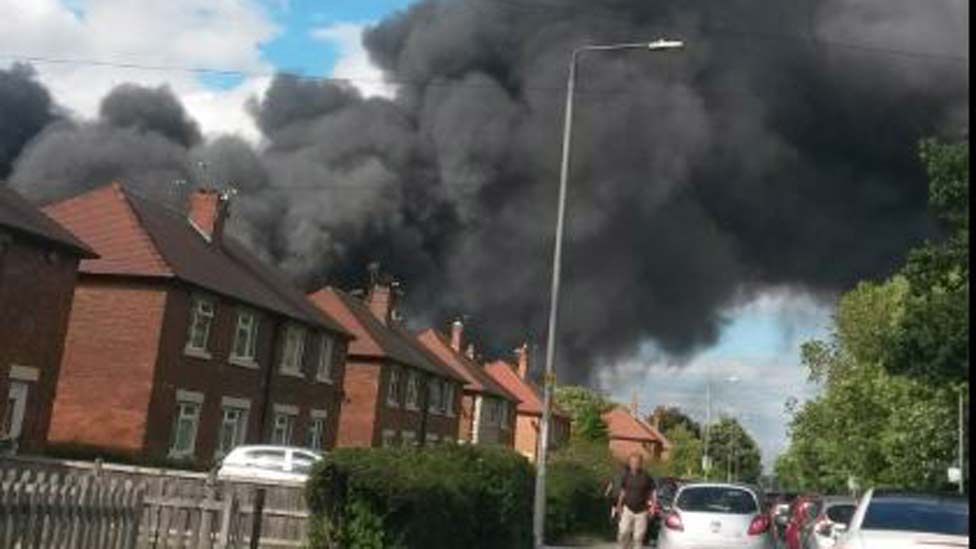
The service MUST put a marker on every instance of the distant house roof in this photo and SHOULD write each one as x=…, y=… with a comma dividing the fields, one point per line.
x=19, y=215
x=529, y=395
x=476, y=377
x=136, y=237
x=622, y=425
x=374, y=339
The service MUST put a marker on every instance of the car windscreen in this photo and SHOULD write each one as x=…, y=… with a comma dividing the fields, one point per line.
x=716, y=499
x=951, y=518
x=840, y=513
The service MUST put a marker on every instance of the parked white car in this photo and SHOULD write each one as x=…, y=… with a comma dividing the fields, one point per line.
x=834, y=518
x=268, y=464
x=714, y=515
x=890, y=520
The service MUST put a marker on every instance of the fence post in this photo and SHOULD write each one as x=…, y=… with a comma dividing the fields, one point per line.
x=256, y=516
x=227, y=516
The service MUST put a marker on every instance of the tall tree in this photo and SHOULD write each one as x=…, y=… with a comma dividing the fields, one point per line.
x=669, y=417
x=933, y=342
x=686, y=452
x=733, y=452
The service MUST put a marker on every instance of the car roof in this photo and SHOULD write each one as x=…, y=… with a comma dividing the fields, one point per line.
x=703, y=484
x=253, y=447
x=918, y=497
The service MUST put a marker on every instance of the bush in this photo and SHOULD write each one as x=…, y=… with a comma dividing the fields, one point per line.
x=440, y=497
x=575, y=501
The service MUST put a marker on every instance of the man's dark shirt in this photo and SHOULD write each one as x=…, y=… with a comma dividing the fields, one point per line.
x=637, y=489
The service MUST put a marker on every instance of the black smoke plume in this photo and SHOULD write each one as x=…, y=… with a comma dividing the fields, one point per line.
x=776, y=151
x=25, y=108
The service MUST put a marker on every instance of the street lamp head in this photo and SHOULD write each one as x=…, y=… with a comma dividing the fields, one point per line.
x=666, y=45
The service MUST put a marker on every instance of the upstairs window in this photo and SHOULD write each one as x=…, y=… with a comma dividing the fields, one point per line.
x=326, y=358
x=293, y=349
x=413, y=391
x=201, y=318
x=245, y=336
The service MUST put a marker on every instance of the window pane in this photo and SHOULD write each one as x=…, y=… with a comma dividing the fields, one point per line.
x=947, y=517
x=185, y=428
x=717, y=500
x=325, y=357
x=840, y=513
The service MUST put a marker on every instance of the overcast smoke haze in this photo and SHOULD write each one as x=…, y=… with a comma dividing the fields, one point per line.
x=777, y=152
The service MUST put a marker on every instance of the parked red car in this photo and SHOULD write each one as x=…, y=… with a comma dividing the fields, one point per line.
x=803, y=511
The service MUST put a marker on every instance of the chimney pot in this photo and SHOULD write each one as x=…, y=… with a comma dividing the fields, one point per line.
x=457, y=331
x=208, y=211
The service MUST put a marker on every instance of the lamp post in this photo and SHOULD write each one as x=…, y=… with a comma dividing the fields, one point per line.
x=706, y=458
x=539, y=511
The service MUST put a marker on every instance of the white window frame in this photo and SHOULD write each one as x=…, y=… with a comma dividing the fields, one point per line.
x=188, y=406
x=196, y=312
x=239, y=435
x=393, y=388
x=315, y=434
x=288, y=414
x=434, y=396
x=291, y=359
x=327, y=352
x=388, y=438
x=411, y=399
x=251, y=335
x=408, y=438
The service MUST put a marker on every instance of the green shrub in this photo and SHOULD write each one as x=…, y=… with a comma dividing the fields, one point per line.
x=440, y=497
x=575, y=501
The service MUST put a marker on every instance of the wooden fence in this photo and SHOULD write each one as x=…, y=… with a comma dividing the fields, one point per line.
x=167, y=508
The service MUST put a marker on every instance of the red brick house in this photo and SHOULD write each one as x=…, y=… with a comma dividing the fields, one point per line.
x=181, y=344
x=514, y=378
x=487, y=409
x=38, y=269
x=395, y=392
x=629, y=434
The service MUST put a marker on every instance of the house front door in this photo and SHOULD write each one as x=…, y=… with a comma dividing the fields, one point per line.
x=13, y=420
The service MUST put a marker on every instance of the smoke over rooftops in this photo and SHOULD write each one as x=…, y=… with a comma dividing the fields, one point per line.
x=748, y=161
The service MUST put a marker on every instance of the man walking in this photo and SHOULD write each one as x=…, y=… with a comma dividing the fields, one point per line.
x=635, y=500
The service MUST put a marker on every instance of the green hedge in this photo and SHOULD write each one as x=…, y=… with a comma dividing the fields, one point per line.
x=440, y=497
x=575, y=503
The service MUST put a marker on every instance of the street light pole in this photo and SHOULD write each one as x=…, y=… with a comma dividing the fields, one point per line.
x=962, y=444
x=539, y=511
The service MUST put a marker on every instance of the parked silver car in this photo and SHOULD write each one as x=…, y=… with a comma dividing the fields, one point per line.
x=268, y=464
x=834, y=518
x=716, y=515
x=891, y=520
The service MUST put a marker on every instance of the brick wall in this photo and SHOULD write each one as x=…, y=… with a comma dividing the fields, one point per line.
x=108, y=366
x=359, y=406
x=217, y=376
x=36, y=291
x=527, y=435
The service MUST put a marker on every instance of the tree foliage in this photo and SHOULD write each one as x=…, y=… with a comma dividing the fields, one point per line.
x=933, y=340
x=733, y=452
x=669, y=417
x=585, y=408
x=686, y=452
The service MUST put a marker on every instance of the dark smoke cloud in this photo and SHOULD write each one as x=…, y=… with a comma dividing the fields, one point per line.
x=150, y=110
x=748, y=161
x=25, y=108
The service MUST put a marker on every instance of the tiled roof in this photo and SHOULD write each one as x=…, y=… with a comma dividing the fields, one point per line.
x=18, y=214
x=530, y=397
x=477, y=379
x=622, y=425
x=374, y=339
x=137, y=237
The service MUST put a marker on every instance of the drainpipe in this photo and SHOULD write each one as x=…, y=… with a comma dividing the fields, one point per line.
x=268, y=376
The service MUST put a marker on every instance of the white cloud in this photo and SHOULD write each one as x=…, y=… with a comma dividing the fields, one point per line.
x=222, y=34
x=767, y=374
x=353, y=62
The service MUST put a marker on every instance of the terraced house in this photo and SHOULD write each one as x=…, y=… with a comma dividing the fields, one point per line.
x=181, y=344
x=396, y=393
x=487, y=408
x=38, y=269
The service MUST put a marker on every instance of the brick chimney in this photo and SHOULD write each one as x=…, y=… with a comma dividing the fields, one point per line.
x=457, y=331
x=208, y=210
x=523, y=360
x=382, y=300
